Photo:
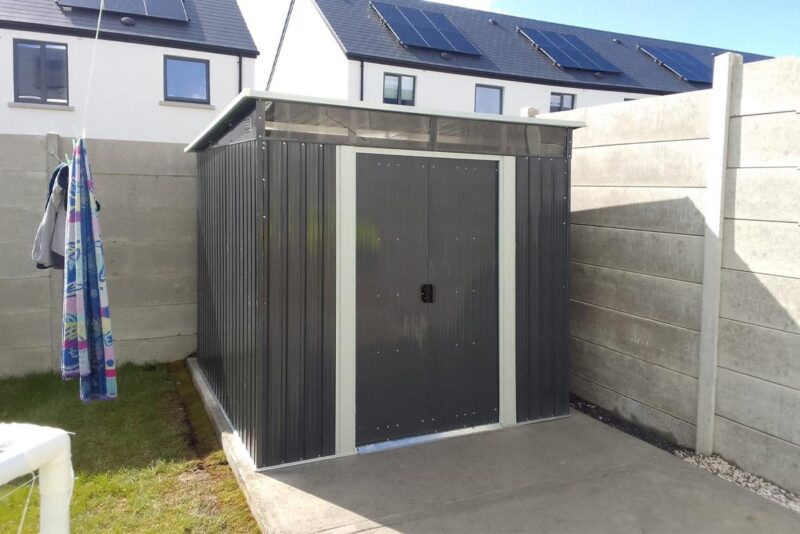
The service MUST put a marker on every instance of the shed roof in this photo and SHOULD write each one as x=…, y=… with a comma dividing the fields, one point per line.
x=246, y=100
x=506, y=53
x=214, y=25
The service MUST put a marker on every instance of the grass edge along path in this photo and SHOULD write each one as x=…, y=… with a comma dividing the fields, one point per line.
x=149, y=461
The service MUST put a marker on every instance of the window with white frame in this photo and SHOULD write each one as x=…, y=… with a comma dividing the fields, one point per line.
x=488, y=99
x=561, y=102
x=40, y=72
x=399, y=89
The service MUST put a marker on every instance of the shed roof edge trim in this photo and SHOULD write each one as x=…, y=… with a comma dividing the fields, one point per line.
x=252, y=94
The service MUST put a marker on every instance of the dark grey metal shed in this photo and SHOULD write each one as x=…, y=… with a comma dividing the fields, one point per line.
x=372, y=275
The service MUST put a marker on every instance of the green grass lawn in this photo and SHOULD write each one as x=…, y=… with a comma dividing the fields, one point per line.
x=146, y=462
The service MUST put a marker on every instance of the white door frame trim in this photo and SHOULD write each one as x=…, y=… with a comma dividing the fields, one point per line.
x=346, y=285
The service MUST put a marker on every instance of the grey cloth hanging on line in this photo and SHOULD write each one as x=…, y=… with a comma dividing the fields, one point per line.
x=48, y=245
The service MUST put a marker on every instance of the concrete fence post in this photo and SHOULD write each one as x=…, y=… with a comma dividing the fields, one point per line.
x=714, y=213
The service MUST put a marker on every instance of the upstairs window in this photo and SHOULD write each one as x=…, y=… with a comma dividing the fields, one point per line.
x=488, y=99
x=561, y=102
x=399, y=89
x=186, y=80
x=40, y=72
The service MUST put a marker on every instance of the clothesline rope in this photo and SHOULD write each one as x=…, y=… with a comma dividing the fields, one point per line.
x=27, y=505
x=91, y=69
x=24, y=484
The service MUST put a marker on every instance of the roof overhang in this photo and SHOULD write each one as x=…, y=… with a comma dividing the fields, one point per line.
x=244, y=102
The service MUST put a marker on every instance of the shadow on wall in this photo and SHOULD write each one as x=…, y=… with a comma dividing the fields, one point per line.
x=636, y=305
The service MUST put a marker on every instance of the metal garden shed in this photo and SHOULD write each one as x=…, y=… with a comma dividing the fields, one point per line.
x=372, y=274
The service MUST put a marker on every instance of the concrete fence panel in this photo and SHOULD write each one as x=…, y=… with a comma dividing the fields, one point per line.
x=645, y=177
x=148, y=219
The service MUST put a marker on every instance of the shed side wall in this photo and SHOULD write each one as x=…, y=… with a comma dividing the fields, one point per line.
x=229, y=222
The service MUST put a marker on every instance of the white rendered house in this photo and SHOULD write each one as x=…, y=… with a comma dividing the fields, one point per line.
x=160, y=74
x=390, y=52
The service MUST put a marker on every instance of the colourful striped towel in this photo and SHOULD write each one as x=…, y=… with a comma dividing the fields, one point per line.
x=87, y=348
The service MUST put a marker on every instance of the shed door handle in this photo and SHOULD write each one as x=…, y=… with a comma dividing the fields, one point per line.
x=426, y=293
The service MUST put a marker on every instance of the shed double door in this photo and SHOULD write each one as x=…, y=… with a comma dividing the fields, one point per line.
x=426, y=317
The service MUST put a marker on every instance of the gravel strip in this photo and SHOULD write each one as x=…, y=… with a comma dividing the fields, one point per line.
x=713, y=464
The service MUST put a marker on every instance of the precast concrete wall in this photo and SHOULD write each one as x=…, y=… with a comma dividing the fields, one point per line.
x=638, y=177
x=757, y=422
x=148, y=221
x=639, y=238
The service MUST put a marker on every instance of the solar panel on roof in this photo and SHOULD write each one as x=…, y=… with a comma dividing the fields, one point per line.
x=166, y=9
x=424, y=29
x=681, y=63
x=568, y=51
x=161, y=9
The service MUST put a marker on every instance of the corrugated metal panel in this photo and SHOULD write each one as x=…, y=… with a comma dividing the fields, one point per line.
x=228, y=223
x=300, y=324
x=542, y=287
x=266, y=293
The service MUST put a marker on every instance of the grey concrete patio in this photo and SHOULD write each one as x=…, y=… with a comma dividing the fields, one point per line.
x=570, y=475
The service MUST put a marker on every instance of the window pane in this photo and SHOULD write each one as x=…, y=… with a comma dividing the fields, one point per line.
x=391, y=89
x=407, y=91
x=488, y=100
x=55, y=57
x=186, y=80
x=569, y=102
x=28, y=72
x=555, y=102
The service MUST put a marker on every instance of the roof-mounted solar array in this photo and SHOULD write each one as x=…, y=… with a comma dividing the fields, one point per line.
x=568, y=51
x=681, y=63
x=424, y=29
x=160, y=9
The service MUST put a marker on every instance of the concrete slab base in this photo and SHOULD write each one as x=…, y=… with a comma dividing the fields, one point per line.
x=569, y=475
